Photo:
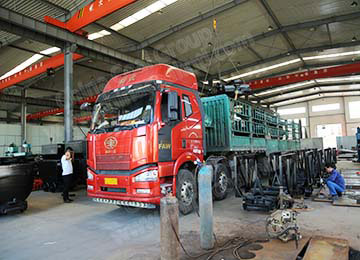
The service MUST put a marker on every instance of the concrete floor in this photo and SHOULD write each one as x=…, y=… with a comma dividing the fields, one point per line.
x=84, y=229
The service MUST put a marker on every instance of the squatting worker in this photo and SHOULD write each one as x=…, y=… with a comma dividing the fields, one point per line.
x=67, y=173
x=335, y=182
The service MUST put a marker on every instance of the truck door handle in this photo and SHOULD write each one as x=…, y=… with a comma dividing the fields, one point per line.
x=183, y=143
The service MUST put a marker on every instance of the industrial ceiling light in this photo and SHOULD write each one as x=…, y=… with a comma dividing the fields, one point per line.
x=150, y=9
x=210, y=44
x=275, y=66
x=333, y=55
x=354, y=39
x=270, y=28
x=354, y=4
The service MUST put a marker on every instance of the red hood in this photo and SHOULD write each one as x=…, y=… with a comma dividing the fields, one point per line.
x=124, y=150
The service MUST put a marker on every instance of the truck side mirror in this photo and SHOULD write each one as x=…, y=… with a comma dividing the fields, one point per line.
x=86, y=106
x=173, y=106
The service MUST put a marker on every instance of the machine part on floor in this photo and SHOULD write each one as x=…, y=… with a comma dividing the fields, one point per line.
x=16, y=183
x=282, y=224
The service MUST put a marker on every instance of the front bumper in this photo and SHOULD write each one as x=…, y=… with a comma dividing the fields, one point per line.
x=126, y=203
x=123, y=190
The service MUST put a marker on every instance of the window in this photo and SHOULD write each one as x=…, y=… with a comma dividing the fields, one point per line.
x=327, y=107
x=329, y=132
x=164, y=107
x=303, y=121
x=292, y=111
x=354, y=109
x=187, y=106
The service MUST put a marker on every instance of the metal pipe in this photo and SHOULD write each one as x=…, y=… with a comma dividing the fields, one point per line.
x=68, y=94
x=281, y=182
x=23, y=117
x=206, y=207
x=169, y=228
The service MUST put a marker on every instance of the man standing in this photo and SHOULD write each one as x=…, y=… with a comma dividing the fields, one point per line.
x=335, y=182
x=67, y=167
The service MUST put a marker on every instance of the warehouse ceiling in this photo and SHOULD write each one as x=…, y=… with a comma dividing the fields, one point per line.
x=254, y=39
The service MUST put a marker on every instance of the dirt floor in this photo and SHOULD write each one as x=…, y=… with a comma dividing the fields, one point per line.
x=84, y=229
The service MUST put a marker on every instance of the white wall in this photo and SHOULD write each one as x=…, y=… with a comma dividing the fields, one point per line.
x=37, y=135
x=340, y=116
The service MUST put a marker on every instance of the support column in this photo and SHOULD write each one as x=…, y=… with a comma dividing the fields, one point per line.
x=206, y=207
x=23, y=117
x=68, y=93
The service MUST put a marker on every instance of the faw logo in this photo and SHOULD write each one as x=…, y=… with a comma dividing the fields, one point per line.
x=110, y=143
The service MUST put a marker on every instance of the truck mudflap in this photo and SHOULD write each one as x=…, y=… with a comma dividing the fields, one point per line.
x=126, y=203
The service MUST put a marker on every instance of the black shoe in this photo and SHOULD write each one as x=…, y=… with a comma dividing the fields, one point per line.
x=72, y=195
x=68, y=201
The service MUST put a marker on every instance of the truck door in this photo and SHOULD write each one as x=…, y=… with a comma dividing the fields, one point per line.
x=192, y=117
x=169, y=138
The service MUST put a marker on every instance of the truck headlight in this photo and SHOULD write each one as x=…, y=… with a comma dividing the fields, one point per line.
x=90, y=176
x=147, y=176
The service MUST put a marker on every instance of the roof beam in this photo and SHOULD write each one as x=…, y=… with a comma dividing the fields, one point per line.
x=298, y=51
x=255, y=53
x=329, y=33
x=38, y=31
x=30, y=101
x=314, y=85
x=312, y=94
x=181, y=26
x=287, y=28
x=308, y=100
x=279, y=26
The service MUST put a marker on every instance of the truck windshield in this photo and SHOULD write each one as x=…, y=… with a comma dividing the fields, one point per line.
x=124, y=110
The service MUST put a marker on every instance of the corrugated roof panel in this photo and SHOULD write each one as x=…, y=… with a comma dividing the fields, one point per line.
x=193, y=41
x=69, y=5
x=32, y=8
x=296, y=11
x=172, y=15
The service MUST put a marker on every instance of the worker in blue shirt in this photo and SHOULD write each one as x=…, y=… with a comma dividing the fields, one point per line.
x=335, y=182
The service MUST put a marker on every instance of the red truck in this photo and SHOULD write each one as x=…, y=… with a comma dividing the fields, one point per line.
x=149, y=129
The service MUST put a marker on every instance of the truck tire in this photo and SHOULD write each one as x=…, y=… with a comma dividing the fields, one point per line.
x=186, y=191
x=221, y=183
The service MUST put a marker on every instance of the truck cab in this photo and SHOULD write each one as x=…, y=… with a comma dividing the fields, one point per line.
x=146, y=134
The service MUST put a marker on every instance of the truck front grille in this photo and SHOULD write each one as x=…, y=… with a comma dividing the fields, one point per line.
x=113, y=162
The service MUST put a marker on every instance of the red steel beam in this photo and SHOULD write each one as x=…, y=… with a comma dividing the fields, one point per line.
x=57, y=111
x=305, y=76
x=35, y=70
x=89, y=14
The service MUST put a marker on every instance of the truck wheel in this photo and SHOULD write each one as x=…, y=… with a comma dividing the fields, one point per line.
x=221, y=185
x=186, y=191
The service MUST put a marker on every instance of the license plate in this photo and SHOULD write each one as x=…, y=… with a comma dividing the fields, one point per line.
x=111, y=181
